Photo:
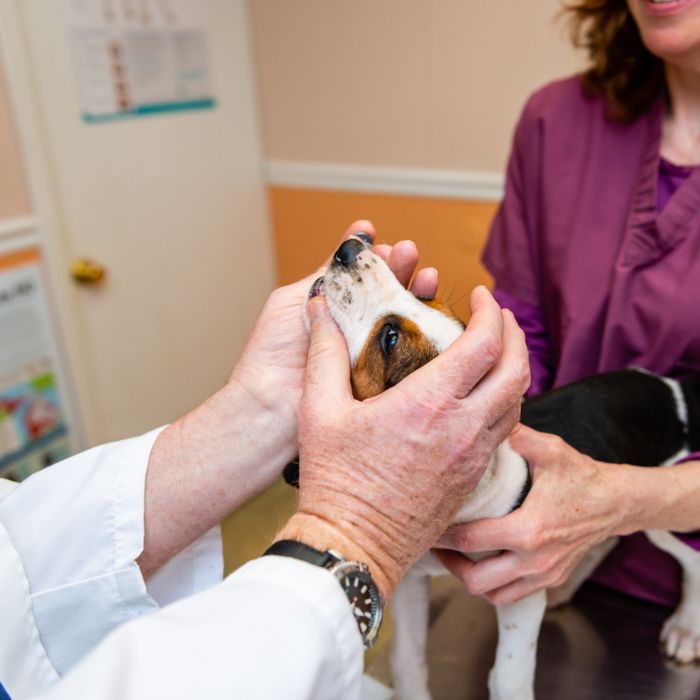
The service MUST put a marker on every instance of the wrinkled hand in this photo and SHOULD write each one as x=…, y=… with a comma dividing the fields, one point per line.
x=271, y=368
x=386, y=475
x=575, y=503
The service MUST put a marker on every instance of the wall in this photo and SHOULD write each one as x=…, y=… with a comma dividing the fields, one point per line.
x=412, y=83
x=449, y=233
x=411, y=100
x=172, y=205
x=14, y=199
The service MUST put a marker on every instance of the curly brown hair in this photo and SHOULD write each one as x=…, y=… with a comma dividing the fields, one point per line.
x=622, y=69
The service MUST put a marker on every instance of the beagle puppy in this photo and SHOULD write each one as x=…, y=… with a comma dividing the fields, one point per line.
x=629, y=416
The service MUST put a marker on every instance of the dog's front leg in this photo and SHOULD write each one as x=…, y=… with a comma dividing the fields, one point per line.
x=513, y=674
x=409, y=665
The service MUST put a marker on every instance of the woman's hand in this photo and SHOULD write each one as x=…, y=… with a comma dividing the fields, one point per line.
x=575, y=503
x=271, y=368
x=236, y=443
x=383, y=495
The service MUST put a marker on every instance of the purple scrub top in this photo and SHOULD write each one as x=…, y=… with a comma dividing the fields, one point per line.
x=596, y=249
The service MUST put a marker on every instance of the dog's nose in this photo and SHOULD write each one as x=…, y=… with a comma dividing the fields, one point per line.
x=347, y=254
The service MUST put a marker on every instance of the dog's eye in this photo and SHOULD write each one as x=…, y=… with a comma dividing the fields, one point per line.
x=388, y=337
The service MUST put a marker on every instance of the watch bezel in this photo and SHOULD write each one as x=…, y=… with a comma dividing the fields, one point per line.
x=345, y=567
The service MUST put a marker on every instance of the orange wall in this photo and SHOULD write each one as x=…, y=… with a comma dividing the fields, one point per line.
x=450, y=234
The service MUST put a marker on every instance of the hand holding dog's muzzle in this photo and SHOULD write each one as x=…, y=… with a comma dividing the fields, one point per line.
x=383, y=478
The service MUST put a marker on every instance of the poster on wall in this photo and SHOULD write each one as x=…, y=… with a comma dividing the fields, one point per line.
x=139, y=57
x=33, y=426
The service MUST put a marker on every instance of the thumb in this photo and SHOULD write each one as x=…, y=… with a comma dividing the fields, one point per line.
x=327, y=378
x=533, y=446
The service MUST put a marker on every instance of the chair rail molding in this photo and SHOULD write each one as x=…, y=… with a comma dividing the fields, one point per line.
x=418, y=182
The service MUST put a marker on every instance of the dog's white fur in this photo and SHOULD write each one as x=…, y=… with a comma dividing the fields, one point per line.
x=358, y=296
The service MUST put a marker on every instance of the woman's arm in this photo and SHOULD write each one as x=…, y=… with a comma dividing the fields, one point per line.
x=235, y=444
x=667, y=498
x=531, y=320
x=575, y=503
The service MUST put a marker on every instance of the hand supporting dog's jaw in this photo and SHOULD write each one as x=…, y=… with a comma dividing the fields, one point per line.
x=390, y=493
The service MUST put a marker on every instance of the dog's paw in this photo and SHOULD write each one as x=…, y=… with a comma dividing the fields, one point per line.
x=680, y=637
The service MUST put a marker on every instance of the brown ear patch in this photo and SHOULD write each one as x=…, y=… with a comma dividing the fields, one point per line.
x=378, y=368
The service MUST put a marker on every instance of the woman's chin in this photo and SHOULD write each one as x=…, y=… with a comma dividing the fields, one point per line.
x=676, y=47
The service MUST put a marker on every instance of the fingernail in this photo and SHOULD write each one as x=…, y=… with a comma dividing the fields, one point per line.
x=316, y=308
x=364, y=236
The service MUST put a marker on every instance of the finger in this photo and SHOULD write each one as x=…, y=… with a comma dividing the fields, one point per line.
x=536, y=447
x=485, y=535
x=457, y=564
x=362, y=229
x=469, y=358
x=327, y=377
x=492, y=573
x=504, y=426
x=506, y=382
x=514, y=591
x=402, y=261
x=383, y=250
x=425, y=283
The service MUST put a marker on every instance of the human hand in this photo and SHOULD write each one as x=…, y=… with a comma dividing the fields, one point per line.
x=575, y=503
x=383, y=495
x=271, y=367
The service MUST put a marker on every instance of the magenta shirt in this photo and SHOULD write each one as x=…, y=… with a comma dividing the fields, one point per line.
x=601, y=264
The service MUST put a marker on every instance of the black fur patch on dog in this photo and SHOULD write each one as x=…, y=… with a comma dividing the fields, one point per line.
x=628, y=416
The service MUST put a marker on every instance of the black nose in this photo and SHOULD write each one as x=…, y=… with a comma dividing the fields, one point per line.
x=347, y=254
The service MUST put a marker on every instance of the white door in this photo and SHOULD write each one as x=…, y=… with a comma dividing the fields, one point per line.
x=172, y=205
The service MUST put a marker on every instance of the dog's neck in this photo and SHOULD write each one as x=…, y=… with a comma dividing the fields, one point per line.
x=500, y=490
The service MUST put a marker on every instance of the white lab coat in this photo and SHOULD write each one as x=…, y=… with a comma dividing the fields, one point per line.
x=69, y=538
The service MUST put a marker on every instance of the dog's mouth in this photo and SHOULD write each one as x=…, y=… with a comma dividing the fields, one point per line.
x=316, y=288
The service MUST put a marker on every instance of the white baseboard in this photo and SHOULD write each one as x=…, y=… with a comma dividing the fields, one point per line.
x=417, y=182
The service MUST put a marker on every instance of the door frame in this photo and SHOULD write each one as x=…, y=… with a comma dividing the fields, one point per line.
x=46, y=228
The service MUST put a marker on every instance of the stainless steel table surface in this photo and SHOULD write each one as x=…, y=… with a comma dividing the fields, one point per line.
x=601, y=646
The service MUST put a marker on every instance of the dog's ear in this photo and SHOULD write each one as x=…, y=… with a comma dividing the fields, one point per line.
x=444, y=308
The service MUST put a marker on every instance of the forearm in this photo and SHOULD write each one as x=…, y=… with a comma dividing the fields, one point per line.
x=664, y=498
x=207, y=464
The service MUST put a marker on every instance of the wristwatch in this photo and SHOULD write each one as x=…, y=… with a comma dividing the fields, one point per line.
x=354, y=578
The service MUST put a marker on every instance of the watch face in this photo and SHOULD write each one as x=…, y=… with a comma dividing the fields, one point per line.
x=364, y=598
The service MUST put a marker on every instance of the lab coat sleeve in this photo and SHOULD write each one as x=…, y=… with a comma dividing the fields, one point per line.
x=78, y=527
x=276, y=628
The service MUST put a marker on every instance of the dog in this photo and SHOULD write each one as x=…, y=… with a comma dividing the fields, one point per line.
x=628, y=416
